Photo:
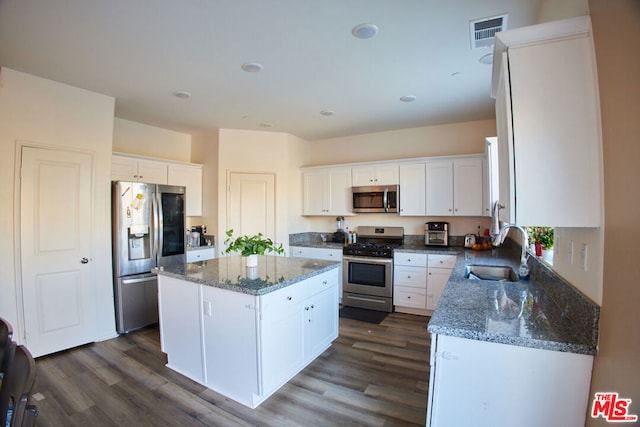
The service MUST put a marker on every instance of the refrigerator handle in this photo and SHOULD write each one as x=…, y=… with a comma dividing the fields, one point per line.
x=155, y=214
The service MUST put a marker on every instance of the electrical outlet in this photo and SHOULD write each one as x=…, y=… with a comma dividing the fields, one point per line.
x=570, y=252
x=584, y=248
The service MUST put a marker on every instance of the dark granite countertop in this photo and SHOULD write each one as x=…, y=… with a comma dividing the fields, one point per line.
x=544, y=312
x=231, y=272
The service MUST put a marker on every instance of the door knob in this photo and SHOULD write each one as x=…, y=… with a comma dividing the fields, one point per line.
x=84, y=260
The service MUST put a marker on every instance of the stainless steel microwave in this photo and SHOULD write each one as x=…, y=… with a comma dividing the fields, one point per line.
x=383, y=198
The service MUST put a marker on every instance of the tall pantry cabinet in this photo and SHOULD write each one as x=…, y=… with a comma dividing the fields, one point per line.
x=548, y=123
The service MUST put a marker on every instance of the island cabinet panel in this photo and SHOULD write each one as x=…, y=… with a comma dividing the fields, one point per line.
x=181, y=327
x=230, y=343
x=321, y=315
x=485, y=384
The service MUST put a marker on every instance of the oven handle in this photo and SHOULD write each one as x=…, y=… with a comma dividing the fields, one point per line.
x=385, y=199
x=371, y=260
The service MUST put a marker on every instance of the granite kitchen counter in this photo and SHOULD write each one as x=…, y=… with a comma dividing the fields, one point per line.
x=544, y=312
x=231, y=272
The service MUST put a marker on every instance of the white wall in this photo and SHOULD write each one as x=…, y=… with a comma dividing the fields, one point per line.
x=144, y=140
x=204, y=150
x=51, y=114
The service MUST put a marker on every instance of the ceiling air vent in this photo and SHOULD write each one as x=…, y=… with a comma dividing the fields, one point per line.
x=483, y=31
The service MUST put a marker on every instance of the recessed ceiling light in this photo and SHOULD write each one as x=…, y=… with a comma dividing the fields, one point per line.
x=408, y=98
x=455, y=74
x=364, y=31
x=486, y=59
x=327, y=112
x=182, y=94
x=252, y=67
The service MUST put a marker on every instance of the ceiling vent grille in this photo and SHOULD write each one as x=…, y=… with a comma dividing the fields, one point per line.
x=483, y=31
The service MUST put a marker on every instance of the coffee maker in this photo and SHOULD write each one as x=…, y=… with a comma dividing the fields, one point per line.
x=202, y=229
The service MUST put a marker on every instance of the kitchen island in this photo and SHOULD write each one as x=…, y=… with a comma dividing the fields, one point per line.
x=245, y=331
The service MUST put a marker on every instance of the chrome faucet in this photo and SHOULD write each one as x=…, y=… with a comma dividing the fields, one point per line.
x=524, y=267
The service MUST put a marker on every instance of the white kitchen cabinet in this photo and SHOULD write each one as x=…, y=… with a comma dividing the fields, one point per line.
x=412, y=189
x=327, y=191
x=439, y=269
x=326, y=254
x=386, y=174
x=507, y=382
x=548, y=73
x=201, y=254
x=189, y=176
x=124, y=168
x=244, y=346
x=455, y=187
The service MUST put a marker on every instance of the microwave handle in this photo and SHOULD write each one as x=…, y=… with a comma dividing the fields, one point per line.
x=384, y=200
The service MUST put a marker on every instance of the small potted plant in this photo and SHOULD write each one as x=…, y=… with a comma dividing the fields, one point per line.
x=541, y=238
x=251, y=247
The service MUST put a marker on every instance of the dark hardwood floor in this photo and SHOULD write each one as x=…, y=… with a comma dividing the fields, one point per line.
x=372, y=375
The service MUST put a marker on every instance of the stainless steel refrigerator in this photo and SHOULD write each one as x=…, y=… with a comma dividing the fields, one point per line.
x=148, y=231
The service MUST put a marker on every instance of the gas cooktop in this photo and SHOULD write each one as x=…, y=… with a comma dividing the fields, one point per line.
x=377, y=242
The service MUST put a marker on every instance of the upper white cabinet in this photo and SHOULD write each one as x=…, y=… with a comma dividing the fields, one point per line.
x=189, y=176
x=327, y=191
x=412, y=189
x=125, y=168
x=455, y=187
x=375, y=175
x=544, y=76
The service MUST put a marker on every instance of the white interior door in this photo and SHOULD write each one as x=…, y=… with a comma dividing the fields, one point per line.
x=58, y=286
x=252, y=204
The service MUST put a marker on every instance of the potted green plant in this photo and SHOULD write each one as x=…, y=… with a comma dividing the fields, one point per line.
x=251, y=246
x=541, y=238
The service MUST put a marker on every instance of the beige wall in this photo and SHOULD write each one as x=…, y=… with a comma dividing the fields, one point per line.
x=616, y=27
x=204, y=150
x=143, y=140
x=49, y=114
x=442, y=140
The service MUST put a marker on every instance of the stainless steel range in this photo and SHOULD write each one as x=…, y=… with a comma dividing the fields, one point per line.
x=368, y=268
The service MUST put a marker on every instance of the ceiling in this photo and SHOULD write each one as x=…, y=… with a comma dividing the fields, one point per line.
x=141, y=52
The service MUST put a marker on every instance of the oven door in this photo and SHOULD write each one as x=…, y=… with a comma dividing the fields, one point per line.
x=368, y=276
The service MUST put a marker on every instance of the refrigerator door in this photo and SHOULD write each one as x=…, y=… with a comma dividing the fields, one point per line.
x=171, y=219
x=136, y=301
x=134, y=241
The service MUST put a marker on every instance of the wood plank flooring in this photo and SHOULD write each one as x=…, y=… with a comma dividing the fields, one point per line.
x=373, y=375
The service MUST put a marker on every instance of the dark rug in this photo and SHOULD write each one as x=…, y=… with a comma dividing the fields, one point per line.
x=369, y=316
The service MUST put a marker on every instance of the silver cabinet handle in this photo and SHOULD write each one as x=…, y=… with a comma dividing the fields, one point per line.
x=84, y=260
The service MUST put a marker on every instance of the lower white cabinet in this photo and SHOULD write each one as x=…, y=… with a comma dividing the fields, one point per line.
x=418, y=281
x=485, y=384
x=326, y=254
x=244, y=346
x=201, y=254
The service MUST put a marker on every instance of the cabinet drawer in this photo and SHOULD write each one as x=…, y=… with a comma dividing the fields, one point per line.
x=409, y=297
x=284, y=299
x=194, y=255
x=322, y=282
x=442, y=261
x=414, y=277
x=418, y=260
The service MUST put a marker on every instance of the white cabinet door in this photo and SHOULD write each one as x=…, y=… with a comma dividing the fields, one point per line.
x=321, y=321
x=339, y=191
x=375, y=175
x=468, y=187
x=125, y=168
x=315, y=193
x=412, y=189
x=437, y=279
x=180, y=326
x=439, y=194
x=189, y=176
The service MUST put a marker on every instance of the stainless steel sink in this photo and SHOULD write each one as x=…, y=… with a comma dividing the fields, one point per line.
x=490, y=272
